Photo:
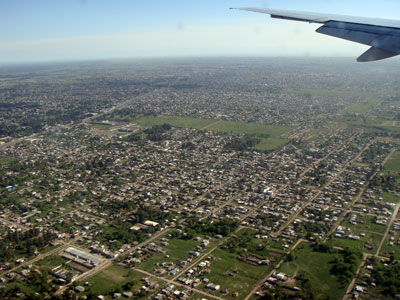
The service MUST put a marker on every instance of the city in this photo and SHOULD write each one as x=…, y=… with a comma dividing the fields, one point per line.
x=208, y=178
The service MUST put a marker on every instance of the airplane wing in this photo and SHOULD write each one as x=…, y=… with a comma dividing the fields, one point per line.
x=382, y=35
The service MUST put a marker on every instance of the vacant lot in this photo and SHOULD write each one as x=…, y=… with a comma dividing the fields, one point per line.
x=243, y=275
x=316, y=267
x=389, y=250
x=52, y=261
x=367, y=243
x=110, y=279
x=269, y=248
x=269, y=135
x=393, y=163
x=364, y=106
x=366, y=223
x=5, y=160
x=176, y=251
x=388, y=197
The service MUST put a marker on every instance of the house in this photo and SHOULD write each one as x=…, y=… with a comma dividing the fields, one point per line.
x=79, y=289
x=151, y=223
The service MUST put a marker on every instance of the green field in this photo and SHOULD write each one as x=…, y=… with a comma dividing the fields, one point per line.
x=48, y=249
x=261, y=247
x=364, y=223
x=110, y=279
x=394, y=250
x=5, y=160
x=174, y=121
x=367, y=103
x=269, y=135
x=316, y=267
x=388, y=197
x=364, y=106
x=371, y=239
x=52, y=261
x=393, y=164
x=246, y=275
x=177, y=250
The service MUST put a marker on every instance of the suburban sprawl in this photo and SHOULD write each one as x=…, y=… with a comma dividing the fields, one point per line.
x=218, y=178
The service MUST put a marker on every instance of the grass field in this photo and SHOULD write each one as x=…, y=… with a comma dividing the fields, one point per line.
x=371, y=239
x=269, y=135
x=110, y=279
x=388, y=197
x=393, y=164
x=5, y=160
x=268, y=246
x=183, y=122
x=177, y=250
x=52, y=261
x=387, y=250
x=246, y=277
x=364, y=223
x=316, y=267
x=364, y=106
x=48, y=249
x=270, y=144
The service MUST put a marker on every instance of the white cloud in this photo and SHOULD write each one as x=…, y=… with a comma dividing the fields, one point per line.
x=269, y=38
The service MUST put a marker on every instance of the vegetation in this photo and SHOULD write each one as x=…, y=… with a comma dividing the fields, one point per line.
x=241, y=144
x=393, y=163
x=387, y=279
x=27, y=243
x=223, y=227
x=266, y=137
x=321, y=269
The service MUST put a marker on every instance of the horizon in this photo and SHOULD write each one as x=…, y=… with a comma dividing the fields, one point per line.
x=86, y=30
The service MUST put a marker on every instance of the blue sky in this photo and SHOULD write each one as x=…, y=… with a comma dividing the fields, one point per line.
x=48, y=30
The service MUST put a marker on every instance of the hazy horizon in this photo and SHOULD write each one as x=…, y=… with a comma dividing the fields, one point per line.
x=44, y=31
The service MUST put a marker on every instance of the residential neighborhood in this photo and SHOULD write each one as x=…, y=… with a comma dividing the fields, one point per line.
x=160, y=181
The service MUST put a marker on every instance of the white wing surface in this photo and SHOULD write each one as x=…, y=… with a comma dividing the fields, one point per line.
x=381, y=34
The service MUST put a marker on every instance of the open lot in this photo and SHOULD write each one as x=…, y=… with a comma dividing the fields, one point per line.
x=52, y=261
x=367, y=243
x=316, y=267
x=393, y=163
x=388, y=250
x=364, y=222
x=364, y=106
x=243, y=275
x=388, y=197
x=269, y=247
x=5, y=160
x=268, y=134
x=112, y=279
x=176, y=251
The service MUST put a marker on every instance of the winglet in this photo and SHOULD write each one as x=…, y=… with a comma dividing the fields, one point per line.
x=375, y=54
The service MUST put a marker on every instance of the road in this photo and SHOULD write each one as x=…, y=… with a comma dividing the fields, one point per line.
x=389, y=225
x=348, y=293
x=340, y=219
x=261, y=282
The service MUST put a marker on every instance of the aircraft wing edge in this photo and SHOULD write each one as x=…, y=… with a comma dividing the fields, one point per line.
x=322, y=18
x=382, y=35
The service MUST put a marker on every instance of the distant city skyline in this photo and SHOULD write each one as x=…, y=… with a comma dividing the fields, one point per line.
x=44, y=30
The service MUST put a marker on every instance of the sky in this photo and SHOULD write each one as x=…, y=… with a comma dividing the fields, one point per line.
x=68, y=30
